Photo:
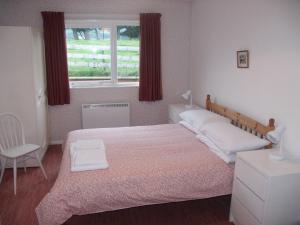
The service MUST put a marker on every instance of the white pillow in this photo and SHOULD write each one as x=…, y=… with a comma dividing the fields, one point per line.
x=228, y=158
x=188, y=126
x=231, y=139
x=198, y=118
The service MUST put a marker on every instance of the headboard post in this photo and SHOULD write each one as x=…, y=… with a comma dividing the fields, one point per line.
x=272, y=124
x=208, y=103
x=242, y=121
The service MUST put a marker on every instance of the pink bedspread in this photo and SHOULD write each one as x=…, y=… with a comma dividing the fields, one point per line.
x=147, y=165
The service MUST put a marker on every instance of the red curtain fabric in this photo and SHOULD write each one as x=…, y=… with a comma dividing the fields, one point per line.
x=56, y=58
x=150, y=58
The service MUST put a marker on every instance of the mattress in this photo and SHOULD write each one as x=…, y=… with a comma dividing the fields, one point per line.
x=147, y=165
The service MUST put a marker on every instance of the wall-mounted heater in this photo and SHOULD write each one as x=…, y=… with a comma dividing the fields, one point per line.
x=105, y=115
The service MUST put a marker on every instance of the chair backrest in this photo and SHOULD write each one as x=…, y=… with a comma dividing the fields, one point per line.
x=11, y=131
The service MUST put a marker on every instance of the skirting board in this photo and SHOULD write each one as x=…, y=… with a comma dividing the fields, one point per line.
x=57, y=142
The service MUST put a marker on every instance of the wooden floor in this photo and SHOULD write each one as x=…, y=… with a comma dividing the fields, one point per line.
x=19, y=209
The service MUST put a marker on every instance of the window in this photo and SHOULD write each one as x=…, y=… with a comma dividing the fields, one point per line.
x=128, y=52
x=103, y=51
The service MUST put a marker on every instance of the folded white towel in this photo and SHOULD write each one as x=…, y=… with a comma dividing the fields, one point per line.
x=86, y=144
x=89, y=143
x=86, y=168
x=88, y=155
x=91, y=159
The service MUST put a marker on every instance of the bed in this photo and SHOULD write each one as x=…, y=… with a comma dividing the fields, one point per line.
x=147, y=165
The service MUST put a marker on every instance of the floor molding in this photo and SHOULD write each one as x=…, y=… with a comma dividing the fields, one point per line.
x=56, y=142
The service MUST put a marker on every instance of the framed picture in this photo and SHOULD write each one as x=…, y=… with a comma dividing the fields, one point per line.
x=243, y=59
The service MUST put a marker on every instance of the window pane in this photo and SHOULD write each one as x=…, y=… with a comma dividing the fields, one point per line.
x=128, y=52
x=89, y=53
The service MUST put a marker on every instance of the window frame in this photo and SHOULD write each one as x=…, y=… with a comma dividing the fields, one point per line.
x=109, y=24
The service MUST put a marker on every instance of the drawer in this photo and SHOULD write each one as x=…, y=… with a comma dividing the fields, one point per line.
x=241, y=215
x=252, y=178
x=247, y=198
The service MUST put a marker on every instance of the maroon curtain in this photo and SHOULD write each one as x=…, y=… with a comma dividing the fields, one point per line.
x=150, y=60
x=56, y=58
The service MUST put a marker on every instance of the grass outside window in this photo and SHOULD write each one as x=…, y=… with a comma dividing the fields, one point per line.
x=90, y=53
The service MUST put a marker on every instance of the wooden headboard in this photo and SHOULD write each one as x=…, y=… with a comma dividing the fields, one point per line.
x=240, y=120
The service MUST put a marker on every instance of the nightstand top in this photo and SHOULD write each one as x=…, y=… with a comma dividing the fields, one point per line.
x=176, y=109
x=183, y=106
x=260, y=160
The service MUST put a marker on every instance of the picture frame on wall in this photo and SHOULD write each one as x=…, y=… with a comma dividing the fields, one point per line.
x=243, y=59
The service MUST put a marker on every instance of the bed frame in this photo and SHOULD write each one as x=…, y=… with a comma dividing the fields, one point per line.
x=241, y=121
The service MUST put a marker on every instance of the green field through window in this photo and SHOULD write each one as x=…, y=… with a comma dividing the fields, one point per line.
x=89, y=53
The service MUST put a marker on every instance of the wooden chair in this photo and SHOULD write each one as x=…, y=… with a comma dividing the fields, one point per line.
x=12, y=145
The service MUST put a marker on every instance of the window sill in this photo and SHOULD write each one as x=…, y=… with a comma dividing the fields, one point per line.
x=101, y=84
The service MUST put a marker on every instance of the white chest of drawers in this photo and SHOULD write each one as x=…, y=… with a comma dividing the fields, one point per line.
x=176, y=109
x=265, y=192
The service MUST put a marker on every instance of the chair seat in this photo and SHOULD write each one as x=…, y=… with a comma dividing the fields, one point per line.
x=18, y=151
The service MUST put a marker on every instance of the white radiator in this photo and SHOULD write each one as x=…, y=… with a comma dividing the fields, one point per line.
x=105, y=115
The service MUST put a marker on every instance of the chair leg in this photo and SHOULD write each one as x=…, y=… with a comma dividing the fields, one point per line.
x=15, y=176
x=40, y=163
x=3, y=163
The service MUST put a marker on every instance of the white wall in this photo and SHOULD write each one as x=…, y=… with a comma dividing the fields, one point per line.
x=22, y=82
x=175, y=55
x=16, y=74
x=271, y=32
